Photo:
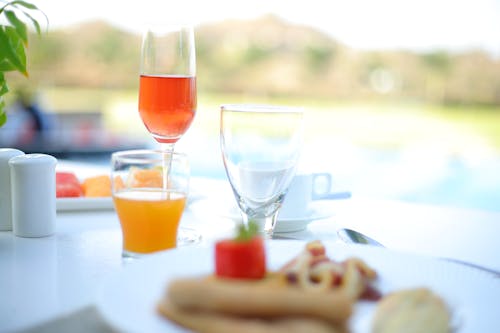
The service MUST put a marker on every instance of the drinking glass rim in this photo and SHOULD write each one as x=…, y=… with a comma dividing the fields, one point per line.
x=262, y=108
x=131, y=156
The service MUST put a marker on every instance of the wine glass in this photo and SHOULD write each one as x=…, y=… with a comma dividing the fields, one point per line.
x=260, y=148
x=167, y=91
x=167, y=86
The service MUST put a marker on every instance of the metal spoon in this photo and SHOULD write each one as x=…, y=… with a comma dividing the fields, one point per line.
x=355, y=237
x=351, y=236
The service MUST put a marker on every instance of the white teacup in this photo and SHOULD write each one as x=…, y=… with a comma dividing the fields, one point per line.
x=303, y=189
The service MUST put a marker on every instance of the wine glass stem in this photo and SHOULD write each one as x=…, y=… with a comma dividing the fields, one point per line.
x=266, y=224
x=168, y=149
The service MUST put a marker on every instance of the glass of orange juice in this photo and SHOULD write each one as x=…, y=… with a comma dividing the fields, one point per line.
x=149, y=193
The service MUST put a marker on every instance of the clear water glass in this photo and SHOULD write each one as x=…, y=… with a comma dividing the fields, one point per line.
x=260, y=147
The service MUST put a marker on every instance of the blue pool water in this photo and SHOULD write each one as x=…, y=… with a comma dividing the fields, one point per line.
x=451, y=181
x=402, y=175
x=440, y=180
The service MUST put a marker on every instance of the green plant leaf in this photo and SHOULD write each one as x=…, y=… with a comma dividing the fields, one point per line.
x=13, y=49
x=3, y=115
x=6, y=66
x=33, y=20
x=3, y=90
x=19, y=25
x=5, y=52
x=3, y=85
x=13, y=43
x=20, y=47
x=24, y=4
x=35, y=23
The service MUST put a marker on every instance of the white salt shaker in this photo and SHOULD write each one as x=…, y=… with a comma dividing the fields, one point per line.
x=33, y=188
x=5, y=196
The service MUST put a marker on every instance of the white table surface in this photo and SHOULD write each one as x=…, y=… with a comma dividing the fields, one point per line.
x=44, y=278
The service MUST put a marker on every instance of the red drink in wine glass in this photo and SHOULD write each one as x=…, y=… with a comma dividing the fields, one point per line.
x=167, y=86
x=167, y=105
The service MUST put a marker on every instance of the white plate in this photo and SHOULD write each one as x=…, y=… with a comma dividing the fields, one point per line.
x=82, y=203
x=319, y=210
x=128, y=299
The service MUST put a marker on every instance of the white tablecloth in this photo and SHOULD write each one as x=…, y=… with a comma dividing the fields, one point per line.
x=45, y=278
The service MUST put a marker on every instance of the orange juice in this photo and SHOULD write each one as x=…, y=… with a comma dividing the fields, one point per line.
x=149, y=219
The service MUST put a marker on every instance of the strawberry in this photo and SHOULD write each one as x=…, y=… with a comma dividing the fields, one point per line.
x=243, y=257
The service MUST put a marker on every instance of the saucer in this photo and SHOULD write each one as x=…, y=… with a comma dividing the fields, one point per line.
x=317, y=211
x=291, y=224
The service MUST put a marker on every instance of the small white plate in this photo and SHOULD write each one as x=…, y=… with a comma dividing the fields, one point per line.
x=319, y=210
x=82, y=203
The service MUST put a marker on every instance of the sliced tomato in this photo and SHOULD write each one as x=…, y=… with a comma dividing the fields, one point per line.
x=240, y=259
x=67, y=185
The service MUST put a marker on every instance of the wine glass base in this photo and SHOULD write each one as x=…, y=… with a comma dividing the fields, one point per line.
x=188, y=236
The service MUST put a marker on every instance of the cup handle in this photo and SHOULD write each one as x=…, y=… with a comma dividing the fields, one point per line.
x=327, y=179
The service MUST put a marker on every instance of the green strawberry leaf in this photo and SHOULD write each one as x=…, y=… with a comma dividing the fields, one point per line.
x=247, y=232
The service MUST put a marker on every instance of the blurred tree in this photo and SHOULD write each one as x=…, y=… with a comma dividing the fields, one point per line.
x=438, y=66
x=318, y=57
x=270, y=56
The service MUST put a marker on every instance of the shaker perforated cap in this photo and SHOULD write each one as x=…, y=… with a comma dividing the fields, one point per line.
x=7, y=153
x=32, y=159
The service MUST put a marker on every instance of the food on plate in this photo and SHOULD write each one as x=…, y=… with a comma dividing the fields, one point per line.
x=68, y=185
x=222, y=303
x=210, y=322
x=100, y=186
x=311, y=293
x=145, y=177
x=243, y=257
x=313, y=270
x=411, y=311
x=97, y=186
